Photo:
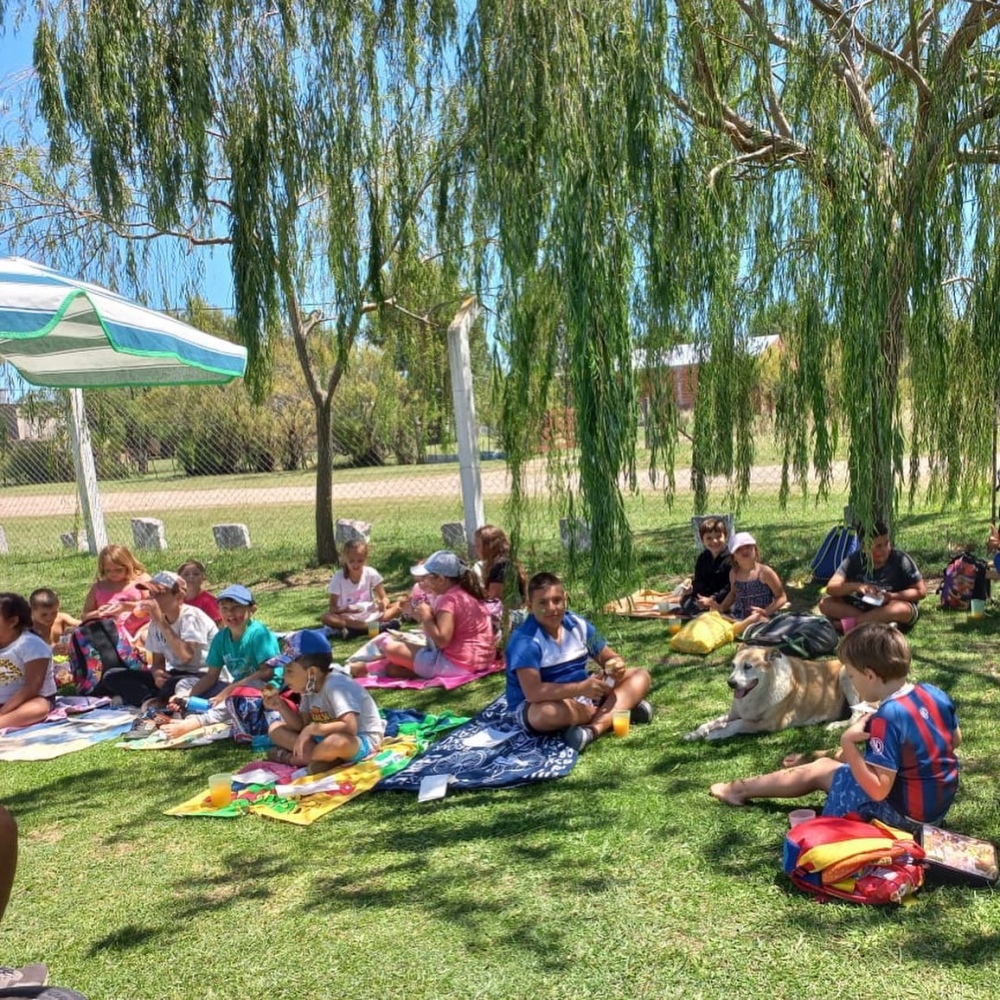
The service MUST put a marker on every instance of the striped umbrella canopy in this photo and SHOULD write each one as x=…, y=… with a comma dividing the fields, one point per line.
x=65, y=333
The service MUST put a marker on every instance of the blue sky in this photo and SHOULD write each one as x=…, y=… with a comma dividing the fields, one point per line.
x=15, y=84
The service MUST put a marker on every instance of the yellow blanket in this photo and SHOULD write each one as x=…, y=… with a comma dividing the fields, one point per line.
x=342, y=784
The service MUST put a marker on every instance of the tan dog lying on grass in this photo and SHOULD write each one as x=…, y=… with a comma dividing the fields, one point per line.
x=773, y=691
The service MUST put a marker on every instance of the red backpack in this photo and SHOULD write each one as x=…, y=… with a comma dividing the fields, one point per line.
x=843, y=857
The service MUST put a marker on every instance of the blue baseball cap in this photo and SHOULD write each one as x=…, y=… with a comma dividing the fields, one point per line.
x=443, y=563
x=237, y=593
x=298, y=644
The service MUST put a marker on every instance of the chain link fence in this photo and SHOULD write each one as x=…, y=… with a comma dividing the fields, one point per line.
x=197, y=457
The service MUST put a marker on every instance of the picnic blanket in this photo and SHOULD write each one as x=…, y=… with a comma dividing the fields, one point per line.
x=265, y=789
x=489, y=751
x=643, y=604
x=64, y=706
x=409, y=722
x=196, y=738
x=370, y=654
x=46, y=740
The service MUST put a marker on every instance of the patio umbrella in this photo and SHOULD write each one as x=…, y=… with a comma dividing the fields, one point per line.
x=65, y=333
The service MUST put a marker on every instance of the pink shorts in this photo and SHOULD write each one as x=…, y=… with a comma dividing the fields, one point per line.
x=432, y=662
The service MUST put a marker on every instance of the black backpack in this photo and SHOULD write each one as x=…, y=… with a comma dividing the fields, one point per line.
x=812, y=637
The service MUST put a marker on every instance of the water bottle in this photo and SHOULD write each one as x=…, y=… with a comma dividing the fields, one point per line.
x=198, y=705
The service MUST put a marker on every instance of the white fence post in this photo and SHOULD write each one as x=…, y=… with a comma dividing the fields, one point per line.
x=466, y=427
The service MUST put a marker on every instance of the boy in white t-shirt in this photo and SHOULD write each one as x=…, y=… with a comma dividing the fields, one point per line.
x=357, y=596
x=337, y=721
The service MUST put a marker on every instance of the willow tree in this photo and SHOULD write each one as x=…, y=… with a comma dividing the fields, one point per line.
x=304, y=138
x=661, y=171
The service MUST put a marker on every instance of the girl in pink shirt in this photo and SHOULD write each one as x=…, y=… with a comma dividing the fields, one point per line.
x=459, y=628
x=193, y=574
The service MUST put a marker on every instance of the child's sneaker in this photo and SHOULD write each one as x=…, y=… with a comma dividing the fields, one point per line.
x=579, y=737
x=641, y=714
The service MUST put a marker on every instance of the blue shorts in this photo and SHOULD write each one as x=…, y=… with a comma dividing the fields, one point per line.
x=847, y=796
x=366, y=749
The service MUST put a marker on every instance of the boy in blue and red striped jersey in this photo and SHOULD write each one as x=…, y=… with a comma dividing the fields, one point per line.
x=908, y=772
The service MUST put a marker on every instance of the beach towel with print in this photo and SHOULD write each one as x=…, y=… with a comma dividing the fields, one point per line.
x=63, y=707
x=303, y=800
x=199, y=737
x=409, y=722
x=490, y=751
x=370, y=654
x=53, y=739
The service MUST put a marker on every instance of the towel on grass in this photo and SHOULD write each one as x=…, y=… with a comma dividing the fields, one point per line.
x=53, y=739
x=302, y=800
x=643, y=604
x=65, y=706
x=370, y=654
x=489, y=751
x=196, y=738
x=409, y=722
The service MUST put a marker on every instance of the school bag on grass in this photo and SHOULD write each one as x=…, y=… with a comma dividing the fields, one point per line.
x=840, y=542
x=96, y=647
x=811, y=637
x=964, y=580
x=843, y=857
x=703, y=634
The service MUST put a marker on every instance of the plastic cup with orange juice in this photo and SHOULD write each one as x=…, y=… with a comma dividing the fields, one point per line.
x=373, y=629
x=220, y=790
x=621, y=720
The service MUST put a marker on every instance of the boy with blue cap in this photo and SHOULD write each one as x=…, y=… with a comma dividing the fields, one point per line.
x=243, y=649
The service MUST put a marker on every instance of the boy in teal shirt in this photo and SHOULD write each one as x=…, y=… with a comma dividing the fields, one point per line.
x=243, y=646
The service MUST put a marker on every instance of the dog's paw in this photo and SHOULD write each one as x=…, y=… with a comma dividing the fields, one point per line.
x=832, y=727
x=695, y=734
x=718, y=734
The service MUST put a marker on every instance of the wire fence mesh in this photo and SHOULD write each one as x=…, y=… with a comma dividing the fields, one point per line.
x=196, y=457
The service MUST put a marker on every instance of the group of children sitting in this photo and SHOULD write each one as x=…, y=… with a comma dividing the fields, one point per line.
x=877, y=583
x=204, y=654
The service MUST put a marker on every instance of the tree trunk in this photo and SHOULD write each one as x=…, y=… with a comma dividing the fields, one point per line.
x=326, y=541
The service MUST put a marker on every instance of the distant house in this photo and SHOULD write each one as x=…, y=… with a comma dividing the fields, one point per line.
x=681, y=365
x=16, y=425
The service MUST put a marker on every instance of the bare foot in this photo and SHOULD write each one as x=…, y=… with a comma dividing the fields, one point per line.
x=727, y=791
x=358, y=668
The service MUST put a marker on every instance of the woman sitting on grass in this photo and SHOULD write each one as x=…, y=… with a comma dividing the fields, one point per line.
x=459, y=630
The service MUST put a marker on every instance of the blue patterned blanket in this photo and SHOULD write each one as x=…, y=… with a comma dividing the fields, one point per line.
x=489, y=751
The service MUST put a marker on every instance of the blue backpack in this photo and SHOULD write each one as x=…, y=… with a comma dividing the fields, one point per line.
x=840, y=542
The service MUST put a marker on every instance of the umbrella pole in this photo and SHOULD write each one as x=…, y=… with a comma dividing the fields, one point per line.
x=86, y=474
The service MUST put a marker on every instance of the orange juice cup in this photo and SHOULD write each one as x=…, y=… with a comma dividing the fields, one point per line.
x=220, y=788
x=373, y=629
x=621, y=720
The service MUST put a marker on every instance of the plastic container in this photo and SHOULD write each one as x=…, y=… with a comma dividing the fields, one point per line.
x=797, y=816
x=198, y=705
x=220, y=789
x=620, y=721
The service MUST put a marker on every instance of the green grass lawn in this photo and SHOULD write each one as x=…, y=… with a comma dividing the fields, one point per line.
x=623, y=880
